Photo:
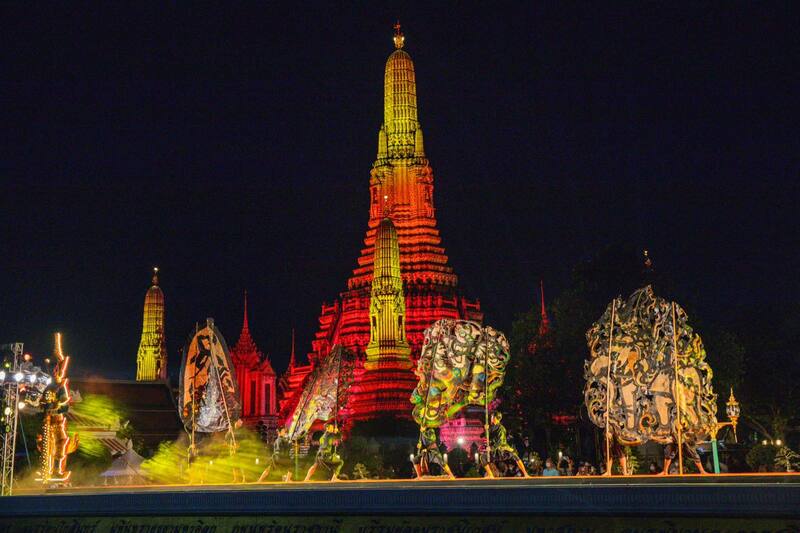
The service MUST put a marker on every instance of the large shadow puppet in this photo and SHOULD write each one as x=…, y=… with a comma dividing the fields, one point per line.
x=462, y=363
x=658, y=384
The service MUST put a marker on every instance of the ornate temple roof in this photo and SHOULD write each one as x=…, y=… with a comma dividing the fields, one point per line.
x=150, y=407
x=245, y=352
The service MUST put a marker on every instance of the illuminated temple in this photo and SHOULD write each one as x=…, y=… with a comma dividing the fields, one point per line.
x=400, y=188
x=151, y=359
x=255, y=377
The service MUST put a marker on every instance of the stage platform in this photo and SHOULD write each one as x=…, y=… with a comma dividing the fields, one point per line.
x=768, y=502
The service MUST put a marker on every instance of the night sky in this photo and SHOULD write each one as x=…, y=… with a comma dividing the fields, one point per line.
x=232, y=148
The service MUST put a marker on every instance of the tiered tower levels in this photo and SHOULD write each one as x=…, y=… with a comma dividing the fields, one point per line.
x=400, y=188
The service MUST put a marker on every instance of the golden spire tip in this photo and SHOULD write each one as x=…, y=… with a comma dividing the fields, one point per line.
x=399, y=39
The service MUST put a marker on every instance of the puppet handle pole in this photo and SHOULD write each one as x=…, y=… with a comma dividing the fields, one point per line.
x=486, y=392
x=678, y=390
x=222, y=390
x=608, y=386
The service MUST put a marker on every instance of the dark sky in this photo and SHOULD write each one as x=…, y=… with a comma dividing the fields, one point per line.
x=232, y=147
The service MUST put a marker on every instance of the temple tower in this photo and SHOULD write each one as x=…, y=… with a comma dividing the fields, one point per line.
x=400, y=189
x=255, y=377
x=151, y=359
x=384, y=381
x=387, y=308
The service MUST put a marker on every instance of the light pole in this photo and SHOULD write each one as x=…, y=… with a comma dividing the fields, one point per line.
x=733, y=411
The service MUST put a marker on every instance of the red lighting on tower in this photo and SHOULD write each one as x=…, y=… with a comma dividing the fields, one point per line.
x=401, y=189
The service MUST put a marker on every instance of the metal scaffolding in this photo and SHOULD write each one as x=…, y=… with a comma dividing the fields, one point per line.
x=10, y=415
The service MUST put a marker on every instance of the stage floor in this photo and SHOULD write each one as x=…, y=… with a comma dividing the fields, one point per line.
x=764, y=495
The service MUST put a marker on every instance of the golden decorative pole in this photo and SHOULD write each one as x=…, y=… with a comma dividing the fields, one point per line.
x=733, y=411
x=678, y=391
x=195, y=408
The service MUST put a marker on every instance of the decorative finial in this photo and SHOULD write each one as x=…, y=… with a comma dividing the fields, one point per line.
x=155, y=275
x=291, y=358
x=544, y=325
x=541, y=293
x=245, y=324
x=398, y=38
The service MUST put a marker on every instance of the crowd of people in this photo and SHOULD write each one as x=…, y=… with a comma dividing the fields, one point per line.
x=534, y=465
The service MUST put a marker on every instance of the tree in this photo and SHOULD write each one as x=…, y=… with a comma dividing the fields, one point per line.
x=362, y=452
x=786, y=460
x=545, y=376
x=761, y=457
x=771, y=390
x=383, y=445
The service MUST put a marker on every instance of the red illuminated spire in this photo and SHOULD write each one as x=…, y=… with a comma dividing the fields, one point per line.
x=544, y=325
x=292, y=361
x=245, y=325
x=245, y=348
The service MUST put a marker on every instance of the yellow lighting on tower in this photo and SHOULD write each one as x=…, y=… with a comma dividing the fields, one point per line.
x=151, y=359
x=387, y=309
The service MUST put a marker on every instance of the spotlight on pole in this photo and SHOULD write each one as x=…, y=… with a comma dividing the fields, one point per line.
x=32, y=378
x=18, y=377
x=21, y=405
x=2, y=375
x=460, y=441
